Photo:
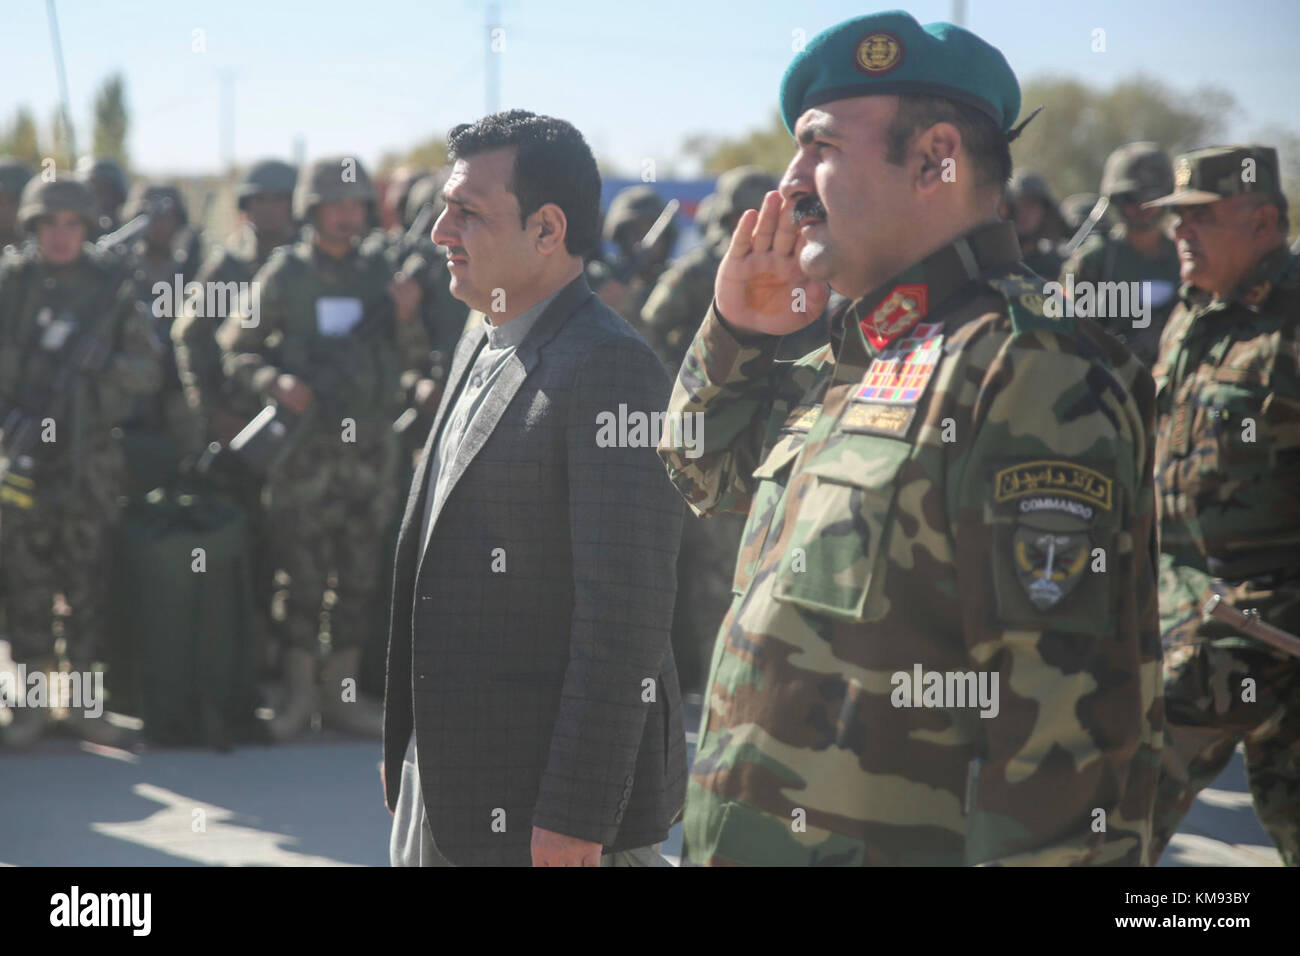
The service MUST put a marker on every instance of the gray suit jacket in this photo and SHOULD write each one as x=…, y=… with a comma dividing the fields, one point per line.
x=529, y=643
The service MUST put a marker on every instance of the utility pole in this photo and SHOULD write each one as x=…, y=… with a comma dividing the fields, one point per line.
x=68, y=131
x=226, y=106
x=491, y=70
x=958, y=13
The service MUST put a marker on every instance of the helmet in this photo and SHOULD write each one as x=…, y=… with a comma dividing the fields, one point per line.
x=40, y=198
x=630, y=205
x=107, y=170
x=1030, y=184
x=337, y=177
x=741, y=188
x=266, y=176
x=13, y=175
x=1142, y=169
x=155, y=200
x=426, y=189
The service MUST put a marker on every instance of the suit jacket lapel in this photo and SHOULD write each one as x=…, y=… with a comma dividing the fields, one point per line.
x=466, y=349
x=511, y=378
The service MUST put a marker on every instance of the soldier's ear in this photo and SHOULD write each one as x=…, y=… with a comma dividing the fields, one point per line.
x=938, y=147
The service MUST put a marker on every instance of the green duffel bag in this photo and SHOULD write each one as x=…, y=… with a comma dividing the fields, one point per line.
x=182, y=617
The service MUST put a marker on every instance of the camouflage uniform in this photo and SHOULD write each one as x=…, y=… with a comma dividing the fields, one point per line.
x=198, y=357
x=328, y=499
x=162, y=430
x=1144, y=170
x=1230, y=511
x=442, y=314
x=672, y=315
x=873, y=546
x=57, y=542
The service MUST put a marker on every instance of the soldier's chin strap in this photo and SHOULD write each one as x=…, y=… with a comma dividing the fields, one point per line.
x=1016, y=131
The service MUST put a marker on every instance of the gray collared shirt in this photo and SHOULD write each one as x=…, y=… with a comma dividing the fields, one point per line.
x=502, y=341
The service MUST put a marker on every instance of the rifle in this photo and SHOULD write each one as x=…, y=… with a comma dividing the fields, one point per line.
x=1248, y=622
x=121, y=237
x=1088, y=225
x=21, y=422
x=625, y=270
x=273, y=431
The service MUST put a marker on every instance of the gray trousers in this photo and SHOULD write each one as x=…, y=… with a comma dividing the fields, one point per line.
x=411, y=843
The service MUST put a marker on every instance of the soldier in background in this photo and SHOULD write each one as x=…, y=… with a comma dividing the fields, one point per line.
x=1039, y=224
x=442, y=314
x=1136, y=249
x=678, y=301
x=108, y=185
x=672, y=314
x=625, y=284
x=265, y=200
x=1227, y=488
x=334, y=334
x=13, y=177
x=75, y=350
x=162, y=434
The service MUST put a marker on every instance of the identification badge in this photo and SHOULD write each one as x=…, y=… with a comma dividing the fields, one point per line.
x=337, y=316
x=801, y=419
x=56, y=333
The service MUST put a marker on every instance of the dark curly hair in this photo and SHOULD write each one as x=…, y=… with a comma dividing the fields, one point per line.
x=553, y=164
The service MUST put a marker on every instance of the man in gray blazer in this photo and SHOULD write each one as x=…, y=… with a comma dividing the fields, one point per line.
x=532, y=711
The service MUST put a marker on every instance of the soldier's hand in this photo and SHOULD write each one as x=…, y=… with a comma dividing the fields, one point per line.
x=556, y=849
x=406, y=294
x=293, y=393
x=761, y=286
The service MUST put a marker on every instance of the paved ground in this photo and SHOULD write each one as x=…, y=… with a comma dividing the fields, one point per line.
x=318, y=802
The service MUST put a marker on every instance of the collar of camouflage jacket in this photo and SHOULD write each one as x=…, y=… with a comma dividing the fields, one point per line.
x=1277, y=268
x=896, y=306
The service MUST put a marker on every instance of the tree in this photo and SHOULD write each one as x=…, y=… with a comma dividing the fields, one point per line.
x=111, y=120
x=769, y=147
x=19, y=139
x=1080, y=125
x=426, y=154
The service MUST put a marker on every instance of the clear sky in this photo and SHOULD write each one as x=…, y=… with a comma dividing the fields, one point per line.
x=636, y=77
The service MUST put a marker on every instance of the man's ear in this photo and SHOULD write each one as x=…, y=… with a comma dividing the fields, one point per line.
x=1263, y=220
x=552, y=226
x=940, y=149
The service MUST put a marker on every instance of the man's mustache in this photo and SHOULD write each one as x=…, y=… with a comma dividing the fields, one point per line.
x=806, y=207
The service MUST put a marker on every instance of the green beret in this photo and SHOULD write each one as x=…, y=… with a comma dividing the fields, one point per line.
x=885, y=53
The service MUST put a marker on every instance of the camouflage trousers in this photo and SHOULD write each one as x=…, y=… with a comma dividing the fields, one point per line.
x=706, y=565
x=60, y=546
x=1206, y=717
x=329, y=505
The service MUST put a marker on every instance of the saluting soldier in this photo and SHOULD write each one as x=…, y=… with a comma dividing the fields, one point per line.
x=956, y=489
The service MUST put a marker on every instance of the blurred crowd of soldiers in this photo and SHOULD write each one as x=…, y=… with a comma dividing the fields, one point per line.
x=356, y=325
